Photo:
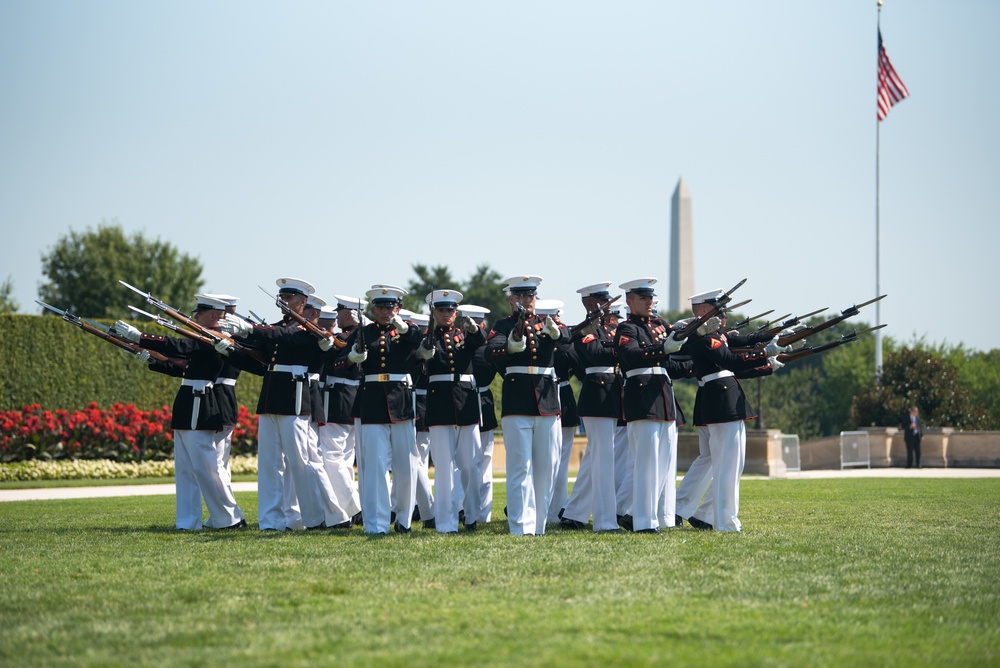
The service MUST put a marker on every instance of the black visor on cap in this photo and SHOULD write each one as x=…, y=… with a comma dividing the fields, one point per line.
x=290, y=291
x=600, y=295
x=524, y=291
x=645, y=292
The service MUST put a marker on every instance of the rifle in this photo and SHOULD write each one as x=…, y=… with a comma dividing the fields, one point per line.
x=309, y=326
x=809, y=331
x=163, y=322
x=592, y=316
x=796, y=355
x=211, y=334
x=746, y=321
x=719, y=307
x=522, y=318
x=108, y=335
x=772, y=329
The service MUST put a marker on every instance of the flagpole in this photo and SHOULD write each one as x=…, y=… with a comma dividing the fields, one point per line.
x=878, y=288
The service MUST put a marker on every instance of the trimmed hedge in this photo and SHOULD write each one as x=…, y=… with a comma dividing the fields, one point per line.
x=56, y=365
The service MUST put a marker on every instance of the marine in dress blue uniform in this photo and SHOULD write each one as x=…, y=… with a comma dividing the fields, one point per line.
x=485, y=372
x=388, y=440
x=530, y=405
x=644, y=344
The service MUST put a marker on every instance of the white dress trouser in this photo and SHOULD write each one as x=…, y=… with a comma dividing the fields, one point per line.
x=696, y=481
x=596, y=480
x=385, y=447
x=319, y=479
x=654, y=496
x=424, y=493
x=336, y=443
x=532, y=444
x=560, y=490
x=297, y=442
x=455, y=446
x=484, y=464
x=199, y=475
x=728, y=445
x=624, y=470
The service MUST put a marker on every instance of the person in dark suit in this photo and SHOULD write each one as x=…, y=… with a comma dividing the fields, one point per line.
x=913, y=432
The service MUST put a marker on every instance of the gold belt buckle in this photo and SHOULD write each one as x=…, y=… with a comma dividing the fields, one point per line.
x=383, y=378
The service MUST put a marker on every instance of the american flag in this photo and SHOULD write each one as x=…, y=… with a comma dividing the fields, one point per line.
x=891, y=88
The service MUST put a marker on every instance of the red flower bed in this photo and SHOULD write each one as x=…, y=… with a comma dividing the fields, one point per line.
x=122, y=433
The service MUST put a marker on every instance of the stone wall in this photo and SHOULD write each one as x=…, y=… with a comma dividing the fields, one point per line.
x=942, y=447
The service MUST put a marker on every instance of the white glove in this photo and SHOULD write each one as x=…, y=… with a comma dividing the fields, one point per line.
x=357, y=356
x=682, y=323
x=143, y=357
x=399, y=324
x=515, y=347
x=772, y=348
x=795, y=345
x=223, y=346
x=710, y=326
x=469, y=325
x=325, y=343
x=550, y=328
x=775, y=364
x=362, y=319
x=422, y=352
x=235, y=325
x=671, y=345
x=127, y=331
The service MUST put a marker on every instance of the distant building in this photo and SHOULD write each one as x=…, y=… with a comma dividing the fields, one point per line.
x=681, y=249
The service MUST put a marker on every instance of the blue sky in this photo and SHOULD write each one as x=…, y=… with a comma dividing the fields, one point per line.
x=343, y=142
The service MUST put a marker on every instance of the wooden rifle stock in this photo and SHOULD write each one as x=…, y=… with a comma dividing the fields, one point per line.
x=692, y=327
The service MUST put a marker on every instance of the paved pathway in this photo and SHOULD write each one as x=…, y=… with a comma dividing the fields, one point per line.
x=43, y=493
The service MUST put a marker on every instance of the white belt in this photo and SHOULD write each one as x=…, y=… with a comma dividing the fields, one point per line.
x=226, y=381
x=532, y=370
x=294, y=369
x=420, y=392
x=563, y=384
x=387, y=377
x=599, y=369
x=450, y=377
x=335, y=380
x=197, y=385
x=484, y=390
x=725, y=373
x=646, y=371
x=314, y=377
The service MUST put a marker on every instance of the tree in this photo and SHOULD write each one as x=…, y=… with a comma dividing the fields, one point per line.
x=428, y=279
x=7, y=302
x=83, y=270
x=922, y=378
x=483, y=288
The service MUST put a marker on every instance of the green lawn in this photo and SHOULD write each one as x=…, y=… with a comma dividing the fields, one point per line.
x=827, y=572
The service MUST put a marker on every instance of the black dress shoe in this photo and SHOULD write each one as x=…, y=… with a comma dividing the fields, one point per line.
x=561, y=511
x=400, y=528
x=471, y=527
x=357, y=520
x=698, y=524
x=321, y=525
x=649, y=531
x=505, y=512
x=343, y=525
x=625, y=522
x=567, y=523
x=392, y=517
x=678, y=521
x=415, y=517
x=461, y=517
x=242, y=524
x=430, y=524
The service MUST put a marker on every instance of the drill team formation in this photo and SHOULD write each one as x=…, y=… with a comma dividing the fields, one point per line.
x=360, y=396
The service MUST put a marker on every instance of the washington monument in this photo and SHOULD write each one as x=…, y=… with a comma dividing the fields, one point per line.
x=681, y=249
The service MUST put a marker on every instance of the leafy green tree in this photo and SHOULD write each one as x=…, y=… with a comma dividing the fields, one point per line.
x=980, y=372
x=427, y=279
x=83, y=270
x=485, y=288
x=923, y=378
x=7, y=302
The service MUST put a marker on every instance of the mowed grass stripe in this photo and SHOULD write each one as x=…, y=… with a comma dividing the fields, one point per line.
x=827, y=572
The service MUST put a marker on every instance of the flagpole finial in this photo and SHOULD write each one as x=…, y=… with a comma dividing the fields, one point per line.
x=879, y=3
